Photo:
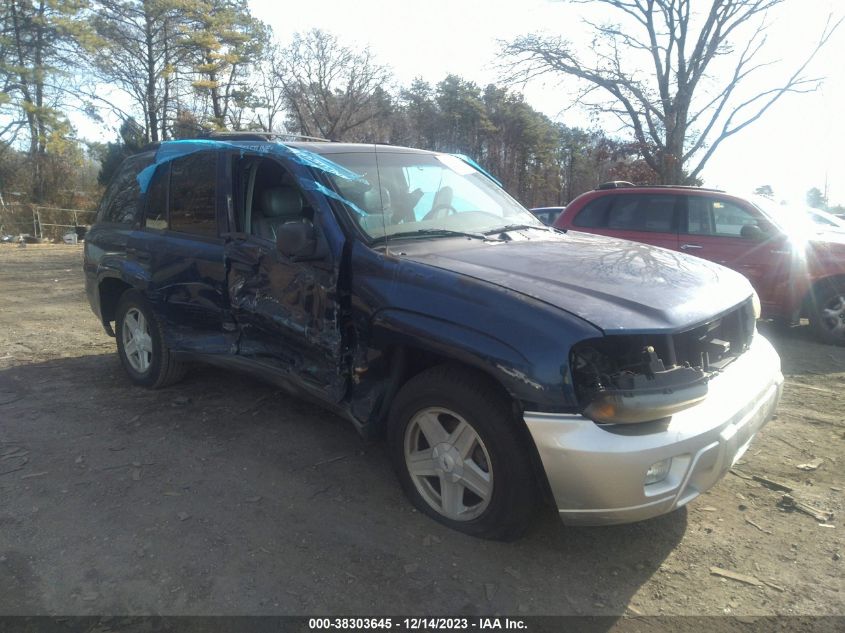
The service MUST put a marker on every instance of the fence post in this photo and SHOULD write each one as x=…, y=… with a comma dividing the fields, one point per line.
x=34, y=221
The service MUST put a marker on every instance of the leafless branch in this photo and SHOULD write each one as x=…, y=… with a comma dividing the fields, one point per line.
x=670, y=115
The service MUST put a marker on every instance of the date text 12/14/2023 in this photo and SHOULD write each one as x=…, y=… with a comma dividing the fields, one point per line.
x=416, y=624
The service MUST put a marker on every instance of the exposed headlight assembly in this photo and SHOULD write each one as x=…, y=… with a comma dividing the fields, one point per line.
x=650, y=393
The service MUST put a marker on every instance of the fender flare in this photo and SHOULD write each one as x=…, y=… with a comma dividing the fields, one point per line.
x=133, y=277
x=461, y=343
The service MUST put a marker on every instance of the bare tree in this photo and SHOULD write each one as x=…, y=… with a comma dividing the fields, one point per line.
x=331, y=89
x=684, y=107
x=40, y=42
x=139, y=50
x=268, y=91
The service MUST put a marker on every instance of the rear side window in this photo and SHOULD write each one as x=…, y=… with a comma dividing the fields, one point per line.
x=193, y=194
x=623, y=214
x=120, y=202
x=594, y=215
x=630, y=212
x=156, y=215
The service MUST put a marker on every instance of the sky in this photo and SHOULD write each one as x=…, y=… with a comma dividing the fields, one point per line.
x=798, y=144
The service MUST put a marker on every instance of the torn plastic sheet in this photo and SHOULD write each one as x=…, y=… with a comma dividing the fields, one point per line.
x=313, y=185
x=456, y=164
x=322, y=163
x=172, y=150
x=477, y=167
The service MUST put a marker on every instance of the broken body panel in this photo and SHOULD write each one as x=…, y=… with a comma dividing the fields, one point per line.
x=348, y=324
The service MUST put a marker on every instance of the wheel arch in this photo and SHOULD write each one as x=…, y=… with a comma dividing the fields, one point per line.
x=809, y=297
x=110, y=289
x=413, y=342
x=410, y=354
x=416, y=358
x=820, y=293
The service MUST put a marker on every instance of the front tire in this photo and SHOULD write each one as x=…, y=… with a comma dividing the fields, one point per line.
x=140, y=345
x=460, y=456
x=827, y=314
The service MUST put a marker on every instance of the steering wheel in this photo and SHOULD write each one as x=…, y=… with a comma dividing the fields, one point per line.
x=443, y=210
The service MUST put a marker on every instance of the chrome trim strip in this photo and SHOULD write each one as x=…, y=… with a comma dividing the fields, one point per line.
x=614, y=510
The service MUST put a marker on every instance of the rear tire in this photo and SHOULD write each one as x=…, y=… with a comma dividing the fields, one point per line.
x=140, y=344
x=827, y=312
x=460, y=456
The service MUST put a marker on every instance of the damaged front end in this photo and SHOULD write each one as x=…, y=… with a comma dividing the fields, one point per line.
x=626, y=379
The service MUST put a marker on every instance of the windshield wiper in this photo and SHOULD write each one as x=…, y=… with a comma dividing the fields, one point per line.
x=518, y=227
x=430, y=233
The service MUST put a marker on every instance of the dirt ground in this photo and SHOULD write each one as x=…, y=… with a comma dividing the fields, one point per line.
x=221, y=495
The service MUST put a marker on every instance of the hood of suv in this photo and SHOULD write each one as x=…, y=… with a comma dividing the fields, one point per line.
x=830, y=239
x=614, y=284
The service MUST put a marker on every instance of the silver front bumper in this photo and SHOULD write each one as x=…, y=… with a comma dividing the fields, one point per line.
x=597, y=473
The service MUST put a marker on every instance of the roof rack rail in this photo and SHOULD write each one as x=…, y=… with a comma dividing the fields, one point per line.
x=246, y=134
x=624, y=184
x=615, y=184
x=686, y=187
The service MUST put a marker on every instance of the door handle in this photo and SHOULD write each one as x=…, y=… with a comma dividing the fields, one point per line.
x=685, y=247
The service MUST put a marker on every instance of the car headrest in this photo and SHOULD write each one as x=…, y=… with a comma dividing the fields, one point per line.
x=278, y=202
x=376, y=200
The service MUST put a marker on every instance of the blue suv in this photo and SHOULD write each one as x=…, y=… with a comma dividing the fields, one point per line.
x=503, y=360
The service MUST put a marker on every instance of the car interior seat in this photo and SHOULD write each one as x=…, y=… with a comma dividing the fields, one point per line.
x=276, y=206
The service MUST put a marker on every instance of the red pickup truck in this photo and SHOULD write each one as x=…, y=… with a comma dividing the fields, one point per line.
x=796, y=268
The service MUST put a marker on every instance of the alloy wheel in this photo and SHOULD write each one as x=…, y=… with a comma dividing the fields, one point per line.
x=833, y=316
x=137, y=342
x=448, y=464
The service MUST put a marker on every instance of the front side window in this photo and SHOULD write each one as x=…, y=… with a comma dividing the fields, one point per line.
x=729, y=218
x=193, y=194
x=403, y=192
x=721, y=218
x=266, y=196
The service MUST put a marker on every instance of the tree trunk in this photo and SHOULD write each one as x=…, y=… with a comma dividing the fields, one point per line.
x=165, y=101
x=40, y=157
x=215, y=94
x=671, y=163
x=152, y=122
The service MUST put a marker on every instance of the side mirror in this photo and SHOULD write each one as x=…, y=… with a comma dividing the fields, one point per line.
x=297, y=240
x=752, y=232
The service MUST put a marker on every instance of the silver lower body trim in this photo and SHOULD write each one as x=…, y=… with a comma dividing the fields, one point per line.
x=597, y=473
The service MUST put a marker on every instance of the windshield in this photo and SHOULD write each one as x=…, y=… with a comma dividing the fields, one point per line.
x=798, y=219
x=421, y=194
